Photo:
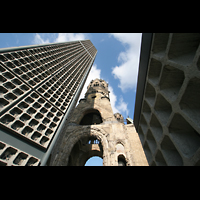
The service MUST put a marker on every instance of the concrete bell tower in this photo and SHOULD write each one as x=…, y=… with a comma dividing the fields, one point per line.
x=93, y=130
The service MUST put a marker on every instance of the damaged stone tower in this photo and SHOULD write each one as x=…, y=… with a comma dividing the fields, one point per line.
x=94, y=130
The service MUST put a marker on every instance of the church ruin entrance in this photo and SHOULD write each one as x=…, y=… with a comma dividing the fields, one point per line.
x=85, y=148
x=94, y=161
x=91, y=117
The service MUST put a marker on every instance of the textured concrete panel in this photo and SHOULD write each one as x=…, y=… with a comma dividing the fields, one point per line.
x=169, y=127
x=37, y=88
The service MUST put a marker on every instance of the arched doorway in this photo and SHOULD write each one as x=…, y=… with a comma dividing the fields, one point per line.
x=69, y=151
x=86, y=147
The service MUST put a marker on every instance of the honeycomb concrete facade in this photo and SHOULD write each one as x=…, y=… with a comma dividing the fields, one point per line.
x=169, y=127
x=93, y=130
x=39, y=87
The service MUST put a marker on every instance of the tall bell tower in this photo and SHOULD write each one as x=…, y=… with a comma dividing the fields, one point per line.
x=93, y=130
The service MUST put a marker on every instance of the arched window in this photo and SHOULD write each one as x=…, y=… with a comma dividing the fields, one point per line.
x=91, y=117
x=86, y=147
x=96, y=84
x=121, y=160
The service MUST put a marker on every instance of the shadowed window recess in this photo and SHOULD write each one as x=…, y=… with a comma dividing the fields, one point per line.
x=121, y=160
x=91, y=117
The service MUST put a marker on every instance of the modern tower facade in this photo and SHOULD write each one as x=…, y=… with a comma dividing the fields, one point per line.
x=39, y=87
x=167, y=108
x=94, y=130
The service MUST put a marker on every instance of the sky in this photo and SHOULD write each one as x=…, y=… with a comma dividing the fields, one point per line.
x=94, y=161
x=116, y=62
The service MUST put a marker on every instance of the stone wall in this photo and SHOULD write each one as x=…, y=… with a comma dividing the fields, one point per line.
x=115, y=138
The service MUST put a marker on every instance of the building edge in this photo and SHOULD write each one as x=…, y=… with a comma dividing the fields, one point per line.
x=36, y=45
x=67, y=116
x=141, y=81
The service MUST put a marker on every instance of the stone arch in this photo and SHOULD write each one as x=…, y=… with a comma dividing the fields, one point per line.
x=120, y=148
x=74, y=137
x=122, y=161
x=91, y=116
x=82, y=160
x=123, y=153
x=120, y=141
x=87, y=110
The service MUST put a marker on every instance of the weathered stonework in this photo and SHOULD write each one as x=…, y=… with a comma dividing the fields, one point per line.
x=93, y=130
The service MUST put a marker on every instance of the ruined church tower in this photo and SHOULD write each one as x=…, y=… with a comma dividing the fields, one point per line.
x=93, y=130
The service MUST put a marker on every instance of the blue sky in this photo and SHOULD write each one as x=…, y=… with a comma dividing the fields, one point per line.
x=116, y=62
x=94, y=161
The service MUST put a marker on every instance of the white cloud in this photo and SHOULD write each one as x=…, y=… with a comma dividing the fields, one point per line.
x=118, y=106
x=38, y=39
x=127, y=71
x=62, y=37
x=122, y=107
x=124, y=57
x=65, y=37
x=113, y=99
